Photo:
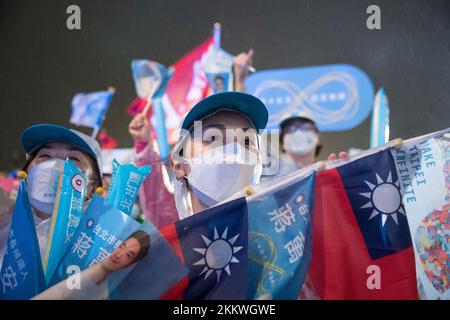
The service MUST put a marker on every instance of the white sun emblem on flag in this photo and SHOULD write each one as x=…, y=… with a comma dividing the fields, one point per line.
x=218, y=254
x=385, y=199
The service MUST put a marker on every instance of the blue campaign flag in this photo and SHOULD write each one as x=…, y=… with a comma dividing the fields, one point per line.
x=217, y=65
x=148, y=77
x=339, y=97
x=102, y=229
x=160, y=117
x=66, y=215
x=88, y=109
x=279, y=241
x=379, y=131
x=151, y=79
x=22, y=276
x=125, y=183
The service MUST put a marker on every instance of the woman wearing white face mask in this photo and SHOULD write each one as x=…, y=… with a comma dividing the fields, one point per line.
x=47, y=146
x=209, y=163
x=299, y=144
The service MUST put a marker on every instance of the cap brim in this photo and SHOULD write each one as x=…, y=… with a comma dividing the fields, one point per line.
x=250, y=106
x=38, y=135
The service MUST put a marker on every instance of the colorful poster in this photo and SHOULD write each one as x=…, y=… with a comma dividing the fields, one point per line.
x=423, y=166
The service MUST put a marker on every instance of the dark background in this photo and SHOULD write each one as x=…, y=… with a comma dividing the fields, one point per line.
x=43, y=64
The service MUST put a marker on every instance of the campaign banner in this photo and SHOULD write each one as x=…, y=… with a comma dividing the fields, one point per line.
x=102, y=229
x=423, y=166
x=217, y=65
x=112, y=256
x=339, y=97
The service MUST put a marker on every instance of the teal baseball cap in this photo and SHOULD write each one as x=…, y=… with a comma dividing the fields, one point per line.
x=38, y=135
x=246, y=104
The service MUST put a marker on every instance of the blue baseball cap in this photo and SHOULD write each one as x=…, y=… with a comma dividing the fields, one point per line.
x=38, y=135
x=246, y=104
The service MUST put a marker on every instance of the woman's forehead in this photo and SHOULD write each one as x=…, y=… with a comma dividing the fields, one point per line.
x=227, y=119
x=60, y=146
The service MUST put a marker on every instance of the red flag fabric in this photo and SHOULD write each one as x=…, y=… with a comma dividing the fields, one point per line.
x=137, y=106
x=361, y=243
x=187, y=86
x=106, y=142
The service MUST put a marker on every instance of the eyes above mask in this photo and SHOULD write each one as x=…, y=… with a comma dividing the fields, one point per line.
x=300, y=142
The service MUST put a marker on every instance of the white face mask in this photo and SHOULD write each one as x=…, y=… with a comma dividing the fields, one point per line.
x=42, y=181
x=300, y=142
x=223, y=171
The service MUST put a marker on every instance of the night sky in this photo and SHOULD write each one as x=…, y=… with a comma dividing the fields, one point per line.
x=43, y=64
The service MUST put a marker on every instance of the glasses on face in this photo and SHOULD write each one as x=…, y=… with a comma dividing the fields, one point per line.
x=305, y=126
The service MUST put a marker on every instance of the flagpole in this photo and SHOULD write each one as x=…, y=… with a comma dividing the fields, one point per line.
x=97, y=128
x=95, y=132
x=217, y=34
x=379, y=131
x=158, y=112
x=147, y=105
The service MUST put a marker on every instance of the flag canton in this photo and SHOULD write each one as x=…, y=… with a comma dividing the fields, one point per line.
x=373, y=188
x=214, y=246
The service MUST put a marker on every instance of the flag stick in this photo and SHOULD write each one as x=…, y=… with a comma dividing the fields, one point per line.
x=147, y=105
x=217, y=34
x=97, y=128
x=95, y=132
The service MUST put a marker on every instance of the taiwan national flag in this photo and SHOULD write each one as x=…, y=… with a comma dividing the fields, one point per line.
x=213, y=246
x=361, y=242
